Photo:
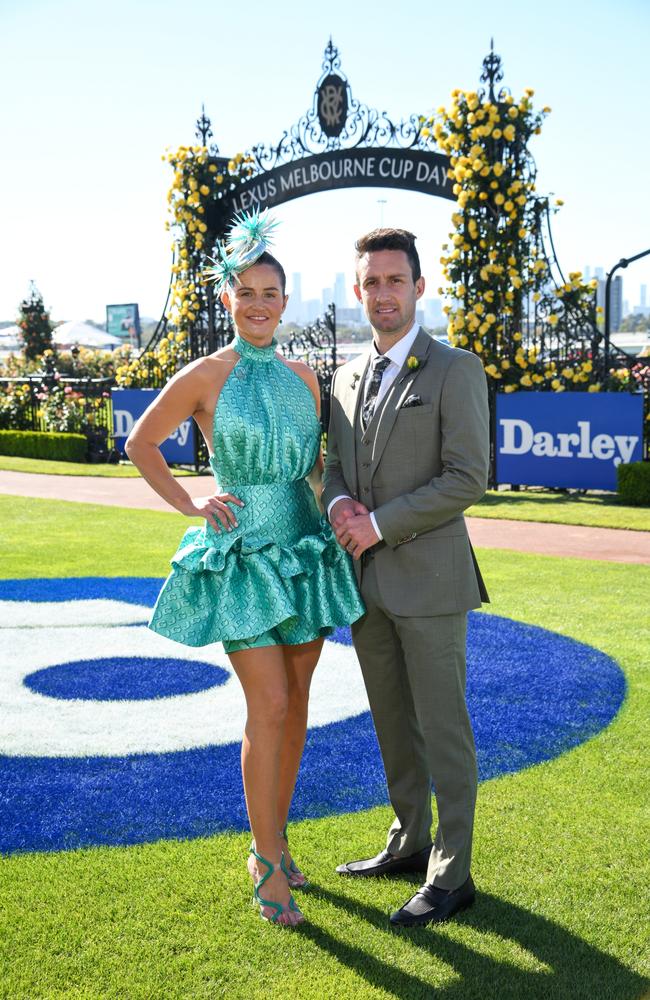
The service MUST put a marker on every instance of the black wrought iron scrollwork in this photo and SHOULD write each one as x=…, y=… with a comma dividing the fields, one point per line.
x=492, y=73
x=316, y=345
x=363, y=126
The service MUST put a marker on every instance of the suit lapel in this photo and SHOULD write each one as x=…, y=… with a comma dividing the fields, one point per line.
x=396, y=395
x=353, y=381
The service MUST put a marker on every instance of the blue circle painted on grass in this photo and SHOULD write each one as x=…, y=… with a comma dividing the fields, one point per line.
x=125, y=678
x=532, y=695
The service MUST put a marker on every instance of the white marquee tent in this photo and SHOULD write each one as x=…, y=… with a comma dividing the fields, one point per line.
x=83, y=335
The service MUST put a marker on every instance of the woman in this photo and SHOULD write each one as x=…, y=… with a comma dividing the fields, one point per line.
x=265, y=575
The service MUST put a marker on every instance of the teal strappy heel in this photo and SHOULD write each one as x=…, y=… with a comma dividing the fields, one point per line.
x=270, y=903
x=295, y=878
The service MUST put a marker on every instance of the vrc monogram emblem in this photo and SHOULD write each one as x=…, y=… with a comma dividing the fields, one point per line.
x=332, y=104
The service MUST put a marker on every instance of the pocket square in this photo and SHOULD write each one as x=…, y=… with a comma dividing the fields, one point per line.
x=411, y=401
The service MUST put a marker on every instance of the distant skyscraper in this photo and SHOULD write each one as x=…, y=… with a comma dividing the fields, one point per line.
x=615, y=300
x=587, y=272
x=644, y=292
x=599, y=273
x=294, y=310
x=340, y=295
x=327, y=298
x=311, y=310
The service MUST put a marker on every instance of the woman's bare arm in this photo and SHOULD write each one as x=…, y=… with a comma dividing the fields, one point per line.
x=183, y=396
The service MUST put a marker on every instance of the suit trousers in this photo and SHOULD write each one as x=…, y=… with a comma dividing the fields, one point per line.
x=414, y=671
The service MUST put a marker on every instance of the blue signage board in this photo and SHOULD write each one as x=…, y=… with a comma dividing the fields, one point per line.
x=568, y=439
x=129, y=404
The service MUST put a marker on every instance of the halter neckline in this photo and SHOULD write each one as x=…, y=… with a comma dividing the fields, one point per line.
x=252, y=353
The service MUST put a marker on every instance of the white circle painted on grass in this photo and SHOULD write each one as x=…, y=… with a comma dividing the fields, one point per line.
x=46, y=635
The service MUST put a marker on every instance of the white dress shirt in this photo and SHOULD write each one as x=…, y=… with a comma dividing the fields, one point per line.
x=397, y=354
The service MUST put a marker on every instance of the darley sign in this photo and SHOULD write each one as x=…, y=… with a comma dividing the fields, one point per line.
x=409, y=169
x=572, y=439
x=129, y=404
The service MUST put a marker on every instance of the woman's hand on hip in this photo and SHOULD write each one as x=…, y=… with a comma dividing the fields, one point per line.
x=215, y=510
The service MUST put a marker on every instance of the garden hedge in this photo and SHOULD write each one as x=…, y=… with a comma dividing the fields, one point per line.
x=44, y=444
x=634, y=483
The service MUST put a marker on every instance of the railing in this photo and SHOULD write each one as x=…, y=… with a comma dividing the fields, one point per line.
x=49, y=401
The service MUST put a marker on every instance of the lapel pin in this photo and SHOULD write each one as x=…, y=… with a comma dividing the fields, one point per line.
x=355, y=379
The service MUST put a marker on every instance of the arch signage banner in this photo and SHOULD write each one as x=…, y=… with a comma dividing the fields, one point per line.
x=407, y=169
x=571, y=439
x=129, y=404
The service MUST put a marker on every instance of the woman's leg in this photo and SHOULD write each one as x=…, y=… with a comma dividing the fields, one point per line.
x=300, y=663
x=263, y=677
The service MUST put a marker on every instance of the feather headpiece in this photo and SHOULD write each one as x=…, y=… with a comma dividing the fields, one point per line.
x=249, y=237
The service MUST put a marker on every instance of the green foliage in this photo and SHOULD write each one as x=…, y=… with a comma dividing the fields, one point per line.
x=635, y=323
x=34, y=323
x=15, y=407
x=86, y=364
x=44, y=444
x=634, y=483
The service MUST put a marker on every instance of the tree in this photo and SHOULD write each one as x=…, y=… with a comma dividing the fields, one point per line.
x=34, y=323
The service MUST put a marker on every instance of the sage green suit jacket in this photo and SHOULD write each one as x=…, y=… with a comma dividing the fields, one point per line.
x=428, y=463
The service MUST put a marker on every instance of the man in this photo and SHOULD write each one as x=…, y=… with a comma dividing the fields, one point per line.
x=407, y=452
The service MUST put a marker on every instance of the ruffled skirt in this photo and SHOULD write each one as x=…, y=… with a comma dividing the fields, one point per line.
x=280, y=569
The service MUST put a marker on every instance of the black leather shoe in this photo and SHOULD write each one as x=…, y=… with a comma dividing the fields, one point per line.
x=432, y=905
x=387, y=864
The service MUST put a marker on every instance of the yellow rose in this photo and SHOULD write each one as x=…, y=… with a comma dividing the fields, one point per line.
x=509, y=133
x=510, y=388
x=594, y=387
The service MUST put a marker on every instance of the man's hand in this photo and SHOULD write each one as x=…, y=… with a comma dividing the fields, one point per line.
x=356, y=534
x=343, y=509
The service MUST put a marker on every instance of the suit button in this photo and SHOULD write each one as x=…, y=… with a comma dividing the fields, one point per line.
x=365, y=465
x=366, y=489
x=365, y=443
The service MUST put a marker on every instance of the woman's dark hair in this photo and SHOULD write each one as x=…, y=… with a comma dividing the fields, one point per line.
x=391, y=239
x=268, y=258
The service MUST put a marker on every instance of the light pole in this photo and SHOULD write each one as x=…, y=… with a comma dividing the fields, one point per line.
x=623, y=263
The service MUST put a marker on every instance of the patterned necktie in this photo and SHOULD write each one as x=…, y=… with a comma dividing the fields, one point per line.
x=379, y=366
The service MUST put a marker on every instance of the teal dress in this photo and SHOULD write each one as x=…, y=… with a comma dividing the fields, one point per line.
x=280, y=576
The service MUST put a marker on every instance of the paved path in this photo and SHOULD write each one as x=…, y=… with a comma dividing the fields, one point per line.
x=609, y=544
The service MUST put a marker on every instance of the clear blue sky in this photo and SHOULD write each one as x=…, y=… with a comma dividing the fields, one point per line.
x=98, y=91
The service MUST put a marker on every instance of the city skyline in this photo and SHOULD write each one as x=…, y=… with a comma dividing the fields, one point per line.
x=86, y=190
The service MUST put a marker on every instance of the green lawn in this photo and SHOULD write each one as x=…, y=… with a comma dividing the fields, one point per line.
x=16, y=463
x=593, y=510
x=561, y=862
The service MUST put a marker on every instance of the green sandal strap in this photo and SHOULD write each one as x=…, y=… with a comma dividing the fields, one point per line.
x=271, y=869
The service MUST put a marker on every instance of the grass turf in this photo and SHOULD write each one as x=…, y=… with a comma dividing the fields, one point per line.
x=561, y=859
x=17, y=463
x=592, y=510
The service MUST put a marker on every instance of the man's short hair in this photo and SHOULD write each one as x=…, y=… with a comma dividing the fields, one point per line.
x=268, y=258
x=391, y=239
